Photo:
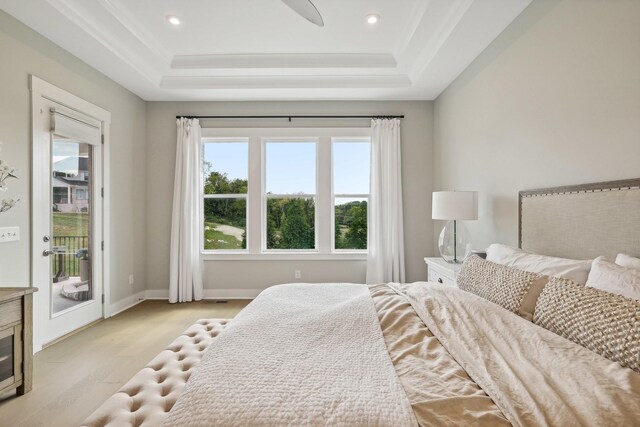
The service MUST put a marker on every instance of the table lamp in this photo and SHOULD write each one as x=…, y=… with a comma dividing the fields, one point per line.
x=454, y=241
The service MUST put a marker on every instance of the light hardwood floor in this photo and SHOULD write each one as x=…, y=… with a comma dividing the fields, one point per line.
x=74, y=376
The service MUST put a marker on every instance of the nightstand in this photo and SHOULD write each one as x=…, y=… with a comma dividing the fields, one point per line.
x=440, y=271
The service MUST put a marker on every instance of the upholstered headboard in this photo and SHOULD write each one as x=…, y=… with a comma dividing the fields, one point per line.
x=581, y=221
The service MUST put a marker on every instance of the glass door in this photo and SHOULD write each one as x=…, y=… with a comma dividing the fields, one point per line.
x=71, y=225
x=69, y=212
x=67, y=221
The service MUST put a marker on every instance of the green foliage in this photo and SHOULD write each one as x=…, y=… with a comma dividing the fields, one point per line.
x=290, y=223
x=275, y=211
x=339, y=240
x=231, y=211
x=356, y=235
x=297, y=233
x=351, y=225
x=219, y=183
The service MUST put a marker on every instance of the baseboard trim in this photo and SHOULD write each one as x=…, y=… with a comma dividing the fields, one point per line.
x=231, y=293
x=208, y=293
x=163, y=294
x=67, y=335
x=126, y=303
x=156, y=294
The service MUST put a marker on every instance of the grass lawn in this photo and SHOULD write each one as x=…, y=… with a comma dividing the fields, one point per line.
x=214, y=239
x=70, y=224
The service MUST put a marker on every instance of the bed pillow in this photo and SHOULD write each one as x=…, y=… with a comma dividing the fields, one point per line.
x=613, y=278
x=602, y=322
x=576, y=270
x=628, y=261
x=513, y=289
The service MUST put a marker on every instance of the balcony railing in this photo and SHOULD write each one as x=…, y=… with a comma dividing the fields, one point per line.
x=63, y=259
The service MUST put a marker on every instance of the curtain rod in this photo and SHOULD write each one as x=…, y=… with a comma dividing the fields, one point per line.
x=290, y=117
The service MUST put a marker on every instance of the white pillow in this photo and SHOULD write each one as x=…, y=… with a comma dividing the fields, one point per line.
x=615, y=279
x=575, y=270
x=628, y=261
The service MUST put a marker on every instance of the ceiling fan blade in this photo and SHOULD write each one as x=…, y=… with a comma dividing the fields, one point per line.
x=307, y=10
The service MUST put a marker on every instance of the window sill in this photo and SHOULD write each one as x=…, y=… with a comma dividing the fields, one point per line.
x=346, y=256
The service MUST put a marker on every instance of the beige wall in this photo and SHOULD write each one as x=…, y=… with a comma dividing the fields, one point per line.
x=554, y=100
x=142, y=160
x=24, y=52
x=248, y=275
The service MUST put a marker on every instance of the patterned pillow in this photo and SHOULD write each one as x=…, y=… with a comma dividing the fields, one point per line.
x=505, y=286
x=605, y=323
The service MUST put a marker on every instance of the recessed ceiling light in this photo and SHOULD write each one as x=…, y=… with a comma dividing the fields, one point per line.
x=373, y=18
x=173, y=20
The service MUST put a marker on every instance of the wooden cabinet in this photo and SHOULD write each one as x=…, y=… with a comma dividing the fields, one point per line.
x=16, y=342
x=440, y=271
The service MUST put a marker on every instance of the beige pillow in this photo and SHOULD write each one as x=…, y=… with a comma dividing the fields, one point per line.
x=602, y=322
x=513, y=289
x=628, y=261
x=613, y=278
x=576, y=270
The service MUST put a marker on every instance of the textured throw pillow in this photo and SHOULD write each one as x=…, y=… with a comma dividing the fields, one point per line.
x=602, y=322
x=611, y=277
x=576, y=270
x=628, y=261
x=513, y=289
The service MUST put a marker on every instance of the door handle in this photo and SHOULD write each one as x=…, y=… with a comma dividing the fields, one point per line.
x=46, y=252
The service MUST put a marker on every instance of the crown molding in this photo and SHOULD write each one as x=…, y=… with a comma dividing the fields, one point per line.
x=284, y=61
x=419, y=11
x=129, y=22
x=107, y=39
x=283, y=82
x=437, y=40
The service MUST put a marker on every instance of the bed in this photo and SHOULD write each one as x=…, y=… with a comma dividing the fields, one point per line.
x=420, y=353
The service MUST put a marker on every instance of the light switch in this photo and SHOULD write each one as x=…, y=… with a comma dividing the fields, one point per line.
x=9, y=234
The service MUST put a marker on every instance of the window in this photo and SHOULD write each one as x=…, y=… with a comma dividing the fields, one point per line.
x=290, y=194
x=81, y=194
x=225, y=187
x=273, y=193
x=351, y=166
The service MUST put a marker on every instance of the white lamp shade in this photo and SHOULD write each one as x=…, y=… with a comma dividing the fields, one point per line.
x=450, y=205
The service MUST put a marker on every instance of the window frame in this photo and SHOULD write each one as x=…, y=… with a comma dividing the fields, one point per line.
x=256, y=202
x=341, y=140
x=203, y=195
x=265, y=197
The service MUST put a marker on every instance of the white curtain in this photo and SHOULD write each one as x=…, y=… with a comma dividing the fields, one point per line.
x=185, y=264
x=385, y=262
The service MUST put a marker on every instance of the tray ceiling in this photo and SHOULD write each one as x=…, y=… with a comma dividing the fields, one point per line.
x=262, y=50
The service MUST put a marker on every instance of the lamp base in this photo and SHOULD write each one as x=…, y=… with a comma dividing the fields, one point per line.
x=454, y=242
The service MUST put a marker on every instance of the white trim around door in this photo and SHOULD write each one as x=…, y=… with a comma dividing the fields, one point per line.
x=43, y=96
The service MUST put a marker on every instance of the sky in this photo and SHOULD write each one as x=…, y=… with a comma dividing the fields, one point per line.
x=291, y=166
x=63, y=149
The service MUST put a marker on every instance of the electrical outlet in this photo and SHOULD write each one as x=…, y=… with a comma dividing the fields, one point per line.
x=9, y=234
x=131, y=279
x=297, y=274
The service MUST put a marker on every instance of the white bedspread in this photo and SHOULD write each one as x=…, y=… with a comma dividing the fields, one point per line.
x=299, y=354
x=534, y=376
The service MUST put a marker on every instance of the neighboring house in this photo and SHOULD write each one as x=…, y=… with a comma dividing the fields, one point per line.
x=71, y=184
